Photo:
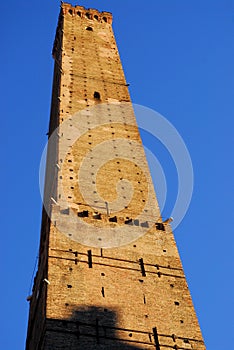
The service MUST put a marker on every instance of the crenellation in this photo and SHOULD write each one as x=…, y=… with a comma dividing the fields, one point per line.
x=88, y=14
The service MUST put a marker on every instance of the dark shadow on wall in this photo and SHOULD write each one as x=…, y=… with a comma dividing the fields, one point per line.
x=94, y=328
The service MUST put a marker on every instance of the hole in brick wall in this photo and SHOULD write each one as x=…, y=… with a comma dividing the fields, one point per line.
x=70, y=268
x=83, y=214
x=97, y=95
x=172, y=285
x=66, y=304
x=160, y=226
x=97, y=216
x=144, y=299
x=176, y=303
x=72, y=188
x=128, y=222
x=60, y=177
x=181, y=321
x=95, y=17
x=145, y=224
x=113, y=219
x=103, y=292
x=164, y=250
x=70, y=169
x=70, y=12
x=79, y=13
x=186, y=341
x=141, y=281
x=69, y=286
x=134, y=245
x=130, y=335
x=102, y=274
x=90, y=29
x=71, y=178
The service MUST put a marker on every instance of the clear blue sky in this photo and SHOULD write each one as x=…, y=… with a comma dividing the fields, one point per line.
x=178, y=57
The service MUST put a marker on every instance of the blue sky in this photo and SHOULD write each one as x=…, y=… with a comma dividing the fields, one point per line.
x=178, y=58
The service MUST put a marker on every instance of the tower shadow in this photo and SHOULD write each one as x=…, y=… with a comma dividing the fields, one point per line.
x=93, y=328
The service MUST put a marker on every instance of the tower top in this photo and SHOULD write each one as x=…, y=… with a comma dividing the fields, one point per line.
x=91, y=14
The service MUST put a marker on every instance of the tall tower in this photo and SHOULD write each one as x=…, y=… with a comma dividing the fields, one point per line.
x=109, y=273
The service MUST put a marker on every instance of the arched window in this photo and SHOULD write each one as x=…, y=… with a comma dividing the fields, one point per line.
x=95, y=17
x=89, y=29
x=70, y=11
x=79, y=13
x=104, y=19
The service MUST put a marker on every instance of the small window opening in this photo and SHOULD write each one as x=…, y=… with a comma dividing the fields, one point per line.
x=90, y=262
x=83, y=214
x=97, y=95
x=95, y=17
x=160, y=226
x=104, y=19
x=90, y=29
x=70, y=11
x=79, y=13
x=97, y=216
x=177, y=303
x=128, y=222
x=113, y=219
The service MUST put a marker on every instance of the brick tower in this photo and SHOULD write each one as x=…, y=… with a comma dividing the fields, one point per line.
x=109, y=273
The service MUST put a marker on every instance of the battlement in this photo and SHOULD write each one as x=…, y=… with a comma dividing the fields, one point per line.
x=90, y=14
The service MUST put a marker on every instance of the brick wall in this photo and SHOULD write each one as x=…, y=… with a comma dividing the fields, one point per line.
x=103, y=296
